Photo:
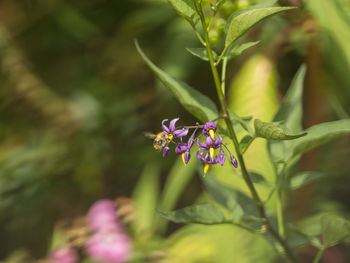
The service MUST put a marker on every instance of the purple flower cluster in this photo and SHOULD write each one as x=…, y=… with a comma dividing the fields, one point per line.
x=206, y=152
x=108, y=242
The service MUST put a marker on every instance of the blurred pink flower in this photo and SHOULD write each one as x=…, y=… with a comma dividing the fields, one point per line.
x=109, y=247
x=102, y=216
x=64, y=254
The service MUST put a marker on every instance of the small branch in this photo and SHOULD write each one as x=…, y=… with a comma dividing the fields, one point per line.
x=319, y=255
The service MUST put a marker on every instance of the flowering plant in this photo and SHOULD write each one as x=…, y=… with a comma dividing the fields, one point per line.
x=286, y=141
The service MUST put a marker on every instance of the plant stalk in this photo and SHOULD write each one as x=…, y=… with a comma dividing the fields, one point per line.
x=319, y=255
x=233, y=136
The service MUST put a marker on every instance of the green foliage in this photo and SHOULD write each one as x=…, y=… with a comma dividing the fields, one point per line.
x=238, y=50
x=271, y=131
x=303, y=178
x=202, y=53
x=241, y=23
x=196, y=103
x=334, y=229
x=186, y=9
x=207, y=214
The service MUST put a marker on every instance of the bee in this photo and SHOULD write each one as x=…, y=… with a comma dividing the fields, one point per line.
x=161, y=139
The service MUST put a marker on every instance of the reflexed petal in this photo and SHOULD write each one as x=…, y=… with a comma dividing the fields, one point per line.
x=190, y=143
x=218, y=142
x=221, y=158
x=166, y=150
x=172, y=125
x=180, y=133
x=165, y=128
x=187, y=156
x=202, y=145
x=199, y=155
x=181, y=148
x=209, y=141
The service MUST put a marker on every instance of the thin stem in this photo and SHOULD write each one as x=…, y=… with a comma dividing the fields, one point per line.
x=319, y=255
x=280, y=219
x=221, y=56
x=223, y=75
x=233, y=136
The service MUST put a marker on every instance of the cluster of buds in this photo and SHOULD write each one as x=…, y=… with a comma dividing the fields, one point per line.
x=207, y=149
x=106, y=239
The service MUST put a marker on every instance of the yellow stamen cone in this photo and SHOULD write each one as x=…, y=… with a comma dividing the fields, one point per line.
x=183, y=158
x=170, y=137
x=211, y=153
x=206, y=168
x=211, y=133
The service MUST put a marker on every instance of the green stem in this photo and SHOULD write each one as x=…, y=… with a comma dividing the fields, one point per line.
x=233, y=136
x=223, y=75
x=280, y=219
x=319, y=255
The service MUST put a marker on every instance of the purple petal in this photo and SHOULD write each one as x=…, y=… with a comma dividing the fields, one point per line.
x=181, y=148
x=172, y=125
x=199, y=155
x=166, y=150
x=221, y=158
x=234, y=161
x=180, y=133
x=209, y=141
x=102, y=216
x=202, y=145
x=218, y=142
x=187, y=156
x=165, y=128
x=207, y=126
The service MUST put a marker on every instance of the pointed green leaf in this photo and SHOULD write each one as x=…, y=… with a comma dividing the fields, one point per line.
x=258, y=179
x=334, y=229
x=241, y=23
x=206, y=214
x=199, y=105
x=237, y=50
x=271, y=131
x=202, y=53
x=186, y=9
x=320, y=134
x=303, y=178
x=240, y=205
x=290, y=112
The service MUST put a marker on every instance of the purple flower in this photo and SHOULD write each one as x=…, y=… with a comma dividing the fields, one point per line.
x=221, y=157
x=109, y=247
x=172, y=131
x=209, y=129
x=210, y=143
x=233, y=161
x=184, y=150
x=65, y=254
x=102, y=216
x=166, y=150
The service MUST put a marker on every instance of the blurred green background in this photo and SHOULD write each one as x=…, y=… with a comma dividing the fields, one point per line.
x=76, y=97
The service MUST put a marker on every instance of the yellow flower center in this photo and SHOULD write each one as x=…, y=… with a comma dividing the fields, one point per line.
x=211, y=152
x=170, y=137
x=211, y=133
x=206, y=168
x=183, y=157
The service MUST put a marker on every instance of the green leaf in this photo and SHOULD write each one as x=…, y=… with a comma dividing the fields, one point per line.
x=258, y=179
x=145, y=196
x=240, y=205
x=241, y=23
x=202, y=53
x=334, y=229
x=206, y=214
x=243, y=121
x=186, y=9
x=303, y=178
x=290, y=112
x=320, y=134
x=237, y=50
x=199, y=105
x=271, y=131
x=245, y=142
